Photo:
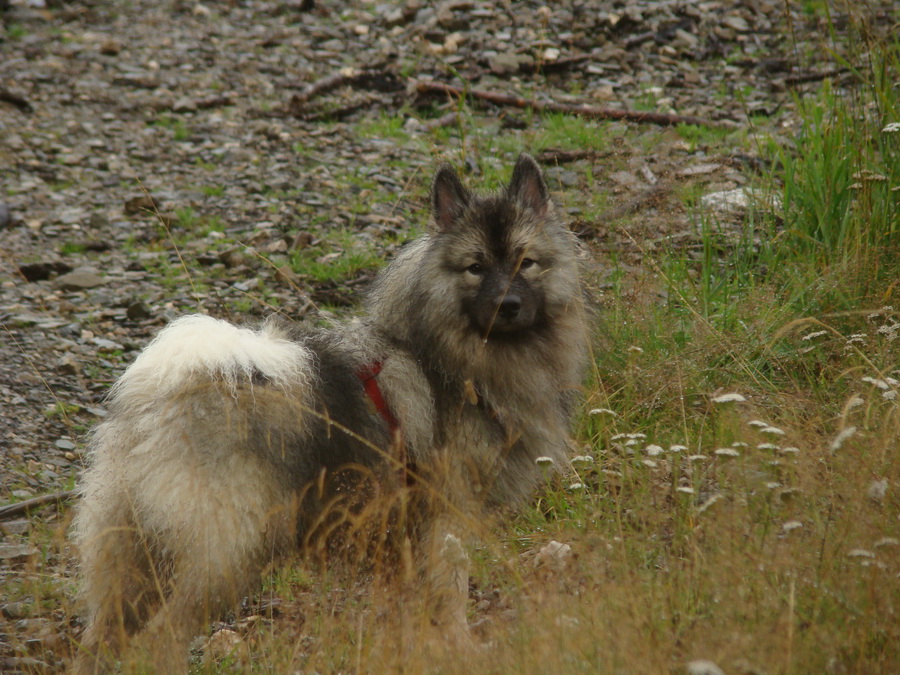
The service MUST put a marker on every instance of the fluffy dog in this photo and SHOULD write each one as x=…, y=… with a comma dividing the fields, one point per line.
x=227, y=448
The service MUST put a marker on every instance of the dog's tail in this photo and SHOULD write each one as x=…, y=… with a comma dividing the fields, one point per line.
x=199, y=347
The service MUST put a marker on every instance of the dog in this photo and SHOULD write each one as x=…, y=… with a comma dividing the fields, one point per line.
x=229, y=448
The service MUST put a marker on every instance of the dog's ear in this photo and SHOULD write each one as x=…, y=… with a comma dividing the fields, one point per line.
x=449, y=197
x=527, y=185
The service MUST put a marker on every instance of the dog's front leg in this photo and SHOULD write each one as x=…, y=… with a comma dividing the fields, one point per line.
x=448, y=580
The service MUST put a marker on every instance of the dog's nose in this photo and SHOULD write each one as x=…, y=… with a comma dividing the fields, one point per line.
x=510, y=306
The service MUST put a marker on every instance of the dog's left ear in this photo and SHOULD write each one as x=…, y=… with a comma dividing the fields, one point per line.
x=449, y=198
x=527, y=185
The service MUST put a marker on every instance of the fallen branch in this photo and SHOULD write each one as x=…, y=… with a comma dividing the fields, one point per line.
x=379, y=79
x=554, y=156
x=583, y=110
x=10, y=510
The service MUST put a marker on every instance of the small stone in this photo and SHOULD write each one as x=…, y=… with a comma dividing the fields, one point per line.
x=80, y=279
x=110, y=47
x=138, y=311
x=39, y=271
x=554, y=555
x=64, y=444
x=140, y=204
x=5, y=217
x=18, y=553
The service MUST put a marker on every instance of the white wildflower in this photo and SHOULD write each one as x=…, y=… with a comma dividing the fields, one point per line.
x=729, y=398
x=635, y=348
x=544, y=461
x=877, y=490
x=881, y=384
x=709, y=502
x=727, y=452
x=768, y=446
x=774, y=431
x=892, y=128
x=887, y=541
x=791, y=525
x=739, y=444
x=677, y=448
x=773, y=485
x=575, y=486
x=696, y=458
x=860, y=553
x=649, y=462
x=685, y=490
x=889, y=395
x=636, y=434
x=582, y=459
x=703, y=667
x=791, y=450
x=854, y=402
x=814, y=334
x=757, y=423
x=653, y=450
x=631, y=443
x=840, y=438
x=602, y=411
x=618, y=436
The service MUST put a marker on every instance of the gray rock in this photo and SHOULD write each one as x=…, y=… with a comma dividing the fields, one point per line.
x=80, y=279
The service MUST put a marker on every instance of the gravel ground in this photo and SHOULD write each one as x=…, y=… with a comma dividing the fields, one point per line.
x=204, y=114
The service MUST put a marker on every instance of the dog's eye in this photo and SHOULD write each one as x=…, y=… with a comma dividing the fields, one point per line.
x=475, y=268
x=526, y=263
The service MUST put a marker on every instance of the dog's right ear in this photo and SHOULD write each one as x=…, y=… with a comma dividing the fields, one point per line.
x=449, y=198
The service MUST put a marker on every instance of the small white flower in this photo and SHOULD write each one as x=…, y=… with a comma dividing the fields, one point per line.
x=636, y=434
x=576, y=486
x=881, y=384
x=653, y=450
x=582, y=459
x=729, y=398
x=860, y=553
x=631, y=443
x=889, y=395
x=815, y=334
x=887, y=541
x=685, y=490
x=840, y=438
x=649, y=462
x=677, y=448
x=727, y=452
x=767, y=446
x=757, y=423
x=773, y=485
x=602, y=411
x=877, y=490
x=892, y=128
x=854, y=402
x=791, y=525
x=791, y=450
x=635, y=348
x=544, y=461
x=740, y=444
x=618, y=436
x=696, y=458
x=709, y=502
x=774, y=431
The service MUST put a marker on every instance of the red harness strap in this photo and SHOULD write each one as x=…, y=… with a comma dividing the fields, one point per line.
x=368, y=374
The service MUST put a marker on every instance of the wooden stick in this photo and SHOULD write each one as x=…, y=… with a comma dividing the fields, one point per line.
x=584, y=110
x=10, y=510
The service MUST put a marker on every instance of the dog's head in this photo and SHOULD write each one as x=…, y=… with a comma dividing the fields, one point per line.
x=507, y=255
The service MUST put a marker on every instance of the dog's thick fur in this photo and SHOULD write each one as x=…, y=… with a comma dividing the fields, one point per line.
x=225, y=448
